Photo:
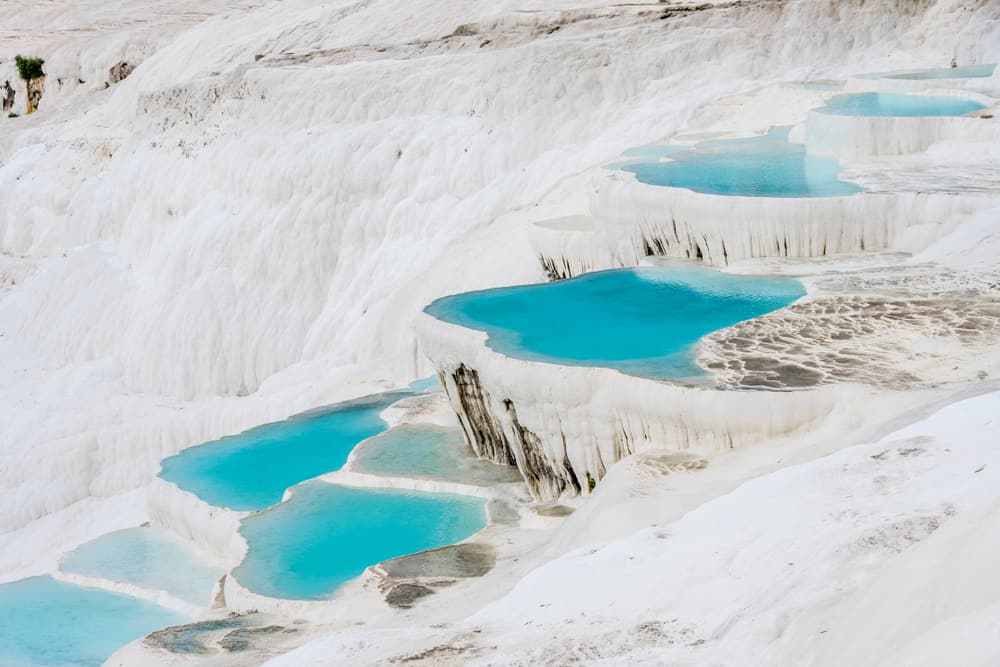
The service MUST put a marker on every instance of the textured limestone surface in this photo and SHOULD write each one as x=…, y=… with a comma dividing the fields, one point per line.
x=896, y=344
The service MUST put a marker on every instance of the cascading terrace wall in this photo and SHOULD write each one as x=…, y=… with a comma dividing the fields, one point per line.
x=633, y=220
x=853, y=137
x=563, y=426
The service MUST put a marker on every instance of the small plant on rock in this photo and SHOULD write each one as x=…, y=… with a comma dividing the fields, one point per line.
x=29, y=68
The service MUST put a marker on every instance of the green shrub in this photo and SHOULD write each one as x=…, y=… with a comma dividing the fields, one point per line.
x=29, y=68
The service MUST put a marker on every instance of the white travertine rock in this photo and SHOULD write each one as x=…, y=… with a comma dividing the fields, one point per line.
x=890, y=83
x=853, y=137
x=214, y=529
x=564, y=425
x=633, y=220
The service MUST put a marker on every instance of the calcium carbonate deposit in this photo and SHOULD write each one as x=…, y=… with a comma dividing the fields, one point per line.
x=467, y=332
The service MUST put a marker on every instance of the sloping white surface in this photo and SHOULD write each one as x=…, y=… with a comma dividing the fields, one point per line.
x=877, y=554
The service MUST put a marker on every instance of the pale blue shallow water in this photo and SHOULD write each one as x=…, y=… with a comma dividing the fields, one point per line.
x=44, y=622
x=889, y=104
x=766, y=166
x=146, y=557
x=427, y=384
x=640, y=321
x=428, y=452
x=251, y=471
x=325, y=535
x=965, y=72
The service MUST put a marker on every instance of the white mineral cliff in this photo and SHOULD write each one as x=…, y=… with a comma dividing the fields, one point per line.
x=564, y=425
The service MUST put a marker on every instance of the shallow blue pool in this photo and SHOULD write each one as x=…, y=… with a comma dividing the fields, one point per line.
x=889, y=104
x=641, y=321
x=965, y=72
x=766, y=166
x=48, y=622
x=325, y=535
x=147, y=557
x=428, y=452
x=251, y=471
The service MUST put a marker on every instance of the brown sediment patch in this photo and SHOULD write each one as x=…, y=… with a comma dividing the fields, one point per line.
x=443, y=654
x=246, y=639
x=472, y=559
x=502, y=513
x=407, y=579
x=550, y=510
x=405, y=595
x=234, y=633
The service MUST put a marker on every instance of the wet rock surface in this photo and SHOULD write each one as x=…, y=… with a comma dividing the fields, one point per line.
x=502, y=513
x=232, y=634
x=556, y=269
x=471, y=559
x=494, y=432
x=193, y=638
x=7, y=97
x=545, y=478
x=403, y=596
x=244, y=639
x=553, y=510
x=484, y=433
x=407, y=579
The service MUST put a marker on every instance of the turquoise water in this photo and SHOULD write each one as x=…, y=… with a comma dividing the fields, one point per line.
x=766, y=166
x=887, y=104
x=146, y=557
x=427, y=384
x=640, y=321
x=966, y=72
x=251, y=471
x=51, y=623
x=428, y=452
x=325, y=535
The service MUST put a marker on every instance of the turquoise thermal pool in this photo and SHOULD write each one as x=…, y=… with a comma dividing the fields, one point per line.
x=326, y=534
x=149, y=558
x=889, y=104
x=765, y=166
x=428, y=452
x=965, y=72
x=251, y=471
x=44, y=622
x=640, y=321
